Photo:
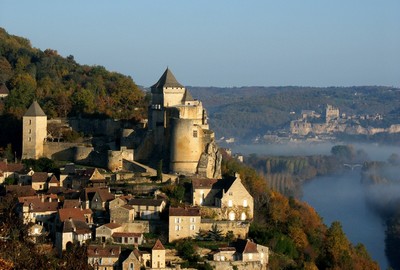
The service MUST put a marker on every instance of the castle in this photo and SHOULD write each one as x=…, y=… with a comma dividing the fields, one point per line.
x=178, y=133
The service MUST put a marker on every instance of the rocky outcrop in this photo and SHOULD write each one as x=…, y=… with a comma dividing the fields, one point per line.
x=210, y=162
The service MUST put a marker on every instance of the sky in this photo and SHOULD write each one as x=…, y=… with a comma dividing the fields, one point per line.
x=221, y=43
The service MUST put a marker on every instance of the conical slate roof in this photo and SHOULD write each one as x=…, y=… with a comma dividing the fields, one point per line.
x=187, y=96
x=167, y=80
x=35, y=110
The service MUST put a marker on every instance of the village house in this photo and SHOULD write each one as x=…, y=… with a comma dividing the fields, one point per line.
x=147, y=208
x=132, y=261
x=39, y=180
x=241, y=250
x=228, y=195
x=9, y=170
x=183, y=223
x=38, y=209
x=20, y=191
x=158, y=255
x=122, y=214
x=72, y=231
x=120, y=201
x=96, y=198
x=127, y=234
x=103, y=257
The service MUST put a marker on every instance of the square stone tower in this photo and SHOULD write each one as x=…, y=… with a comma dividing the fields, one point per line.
x=34, y=132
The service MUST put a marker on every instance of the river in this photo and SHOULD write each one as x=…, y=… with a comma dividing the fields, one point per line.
x=339, y=197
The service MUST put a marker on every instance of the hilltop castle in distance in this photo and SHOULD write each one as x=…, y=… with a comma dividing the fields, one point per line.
x=177, y=133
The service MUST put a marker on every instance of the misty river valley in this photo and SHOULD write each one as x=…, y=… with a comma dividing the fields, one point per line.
x=340, y=197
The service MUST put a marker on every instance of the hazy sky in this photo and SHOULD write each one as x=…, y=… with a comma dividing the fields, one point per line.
x=221, y=43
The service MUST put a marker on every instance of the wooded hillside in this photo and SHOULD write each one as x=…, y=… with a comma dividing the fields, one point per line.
x=61, y=85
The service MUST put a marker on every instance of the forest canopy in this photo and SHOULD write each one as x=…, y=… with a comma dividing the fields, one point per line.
x=61, y=85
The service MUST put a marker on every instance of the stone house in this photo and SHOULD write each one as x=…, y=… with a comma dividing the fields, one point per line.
x=120, y=233
x=158, y=255
x=103, y=257
x=122, y=214
x=147, y=208
x=71, y=231
x=38, y=209
x=88, y=177
x=183, y=223
x=53, y=182
x=120, y=201
x=228, y=195
x=65, y=213
x=96, y=198
x=9, y=170
x=39, y=180
x=20, y=191
x=244, y=251
x=132, y=262
x=234, y=200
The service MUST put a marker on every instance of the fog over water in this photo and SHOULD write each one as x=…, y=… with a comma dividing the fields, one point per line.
x=340, y=197
x=343, y=198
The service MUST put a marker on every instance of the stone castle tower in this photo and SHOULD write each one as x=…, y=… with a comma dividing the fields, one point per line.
x=179, y=127
x=34, y=125
x=158, y=255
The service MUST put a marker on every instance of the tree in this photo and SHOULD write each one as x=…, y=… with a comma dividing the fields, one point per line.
x=159, y=170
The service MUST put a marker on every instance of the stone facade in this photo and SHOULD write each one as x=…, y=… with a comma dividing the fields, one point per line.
x=183, y=223
x=179, y=129
x=34, y=132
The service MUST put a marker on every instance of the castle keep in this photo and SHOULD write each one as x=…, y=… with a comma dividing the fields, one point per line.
x=179, y=128
x=178, y=133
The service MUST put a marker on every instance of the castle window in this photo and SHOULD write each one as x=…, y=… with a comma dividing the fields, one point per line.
x=177, y=228
x=30, y=131
x=30, y=121
x=29, y=139
x=194, y=133
x=192, y=227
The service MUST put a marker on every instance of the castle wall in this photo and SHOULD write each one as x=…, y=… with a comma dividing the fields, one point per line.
x=33, y=135
x=173, y=96
x=96, y=127
x=115, y=158
x=239, y=229
x=186, y=146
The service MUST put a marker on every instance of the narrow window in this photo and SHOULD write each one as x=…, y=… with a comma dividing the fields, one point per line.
x=194, y=133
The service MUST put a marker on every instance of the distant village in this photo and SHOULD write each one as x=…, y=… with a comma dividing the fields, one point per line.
x=109, y=194
x=314, y=127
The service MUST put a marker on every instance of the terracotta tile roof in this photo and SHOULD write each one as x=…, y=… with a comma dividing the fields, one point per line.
x=158, y=245
x=11, y=167
x=126, y=234
x=76, y=226
x=39, y=177
x=73, y=213
x=105, y=195
x=203, y=183
x=43, y=206
x=148, y=202
x=38, y=198
x=54, y=180
x=72, y=204
x=245, y=246
x=56, y=190
x=103, y=251
x=190, y=211
x=20, y=190
x=112, y=225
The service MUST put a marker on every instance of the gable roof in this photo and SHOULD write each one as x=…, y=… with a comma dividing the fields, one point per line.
x=148, y=202
x=11, y=167
x=158, y=245
x=167, y=80
x=20, y=190
x=54, y=179
x=35, y=110
x=112, y=225
x=202, y=183
x=188, y=212
x=3, y=89
x=73, y=213
x=103, y=251
x=77, y=226
x=68, y=203
x=245, y=246
x=39, y=177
